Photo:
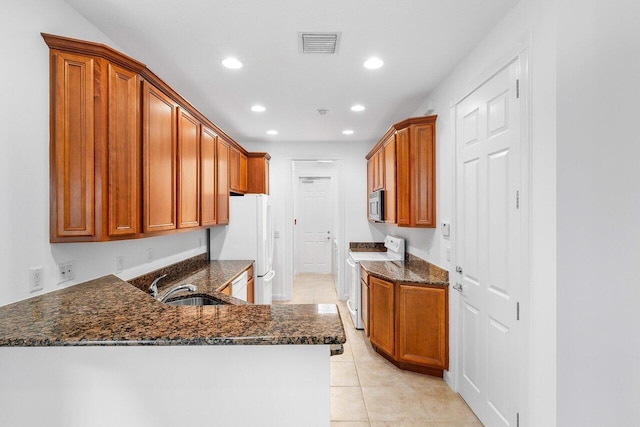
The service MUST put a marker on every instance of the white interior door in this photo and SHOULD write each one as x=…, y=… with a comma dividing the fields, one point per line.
x=488, y=171
x=315, y=224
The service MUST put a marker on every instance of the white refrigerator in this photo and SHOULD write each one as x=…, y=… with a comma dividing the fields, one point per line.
x=249, y=235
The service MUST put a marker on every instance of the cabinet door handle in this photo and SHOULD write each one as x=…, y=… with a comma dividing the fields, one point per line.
x=457, y=287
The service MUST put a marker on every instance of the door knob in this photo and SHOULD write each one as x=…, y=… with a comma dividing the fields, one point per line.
x=458, y=269
x=457, y=287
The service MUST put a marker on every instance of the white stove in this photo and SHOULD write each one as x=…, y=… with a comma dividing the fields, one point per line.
x=395, y=252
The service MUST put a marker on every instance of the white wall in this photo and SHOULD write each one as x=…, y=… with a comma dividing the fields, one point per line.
x=532, y=20
x=353, y=181
x=24, y=161
x=165, y=386
x=598, y=213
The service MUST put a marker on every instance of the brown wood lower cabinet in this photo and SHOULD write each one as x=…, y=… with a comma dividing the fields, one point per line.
x=226, y=290
x=382, y=333
x=364, y=292
x=250, y=286
x=408, y=324
x=421, y=317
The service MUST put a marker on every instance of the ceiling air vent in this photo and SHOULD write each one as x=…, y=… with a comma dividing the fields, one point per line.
x=319, y=42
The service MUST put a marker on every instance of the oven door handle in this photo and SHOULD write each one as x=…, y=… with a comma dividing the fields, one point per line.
x=351, y=263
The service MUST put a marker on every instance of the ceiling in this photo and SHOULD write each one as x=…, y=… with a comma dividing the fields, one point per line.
x=184, y=42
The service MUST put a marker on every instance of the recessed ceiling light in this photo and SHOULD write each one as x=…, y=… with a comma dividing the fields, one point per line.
x=232, y=63
x=358, y=107
x=272, y=132
x=373, y=63
x=258, y=108
x=347, y=132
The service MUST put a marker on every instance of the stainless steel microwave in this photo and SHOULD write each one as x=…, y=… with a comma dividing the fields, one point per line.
x=376, y=206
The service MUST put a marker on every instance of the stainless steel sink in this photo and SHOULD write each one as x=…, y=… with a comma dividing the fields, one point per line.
x=197, y=301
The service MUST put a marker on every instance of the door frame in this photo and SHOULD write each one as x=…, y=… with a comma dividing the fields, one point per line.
x=339, y=225
x=522, y=52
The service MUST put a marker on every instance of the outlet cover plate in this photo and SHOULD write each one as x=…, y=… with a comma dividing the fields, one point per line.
x=36, y=278
x=66, y=271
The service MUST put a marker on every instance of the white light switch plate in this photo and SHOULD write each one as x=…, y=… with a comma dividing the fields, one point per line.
x=446, y=228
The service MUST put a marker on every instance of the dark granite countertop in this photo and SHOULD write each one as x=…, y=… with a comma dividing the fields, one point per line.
x=109, y=311
x=413, y=271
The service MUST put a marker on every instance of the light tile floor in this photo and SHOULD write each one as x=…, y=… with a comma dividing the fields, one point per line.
x=367, y=390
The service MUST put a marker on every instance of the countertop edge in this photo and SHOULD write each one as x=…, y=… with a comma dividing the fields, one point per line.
x=109, y=307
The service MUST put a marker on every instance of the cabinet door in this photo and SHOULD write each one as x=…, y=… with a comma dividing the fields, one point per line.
x=208, y=178
x=123, y=148
x=222, y=198
x=370, y=164
x=370, y=167
x=159, y=153
x=403, y=182
x=234, y=169
x=381, y=314
x=379, y=169
x=422, y=326
x=258, y=173
x=389, y=172
x=364, y=291
x=423, y=175
x=250, y=290
x=242, y=171
x=188, y=170
x=376, y=171
x=72, y=146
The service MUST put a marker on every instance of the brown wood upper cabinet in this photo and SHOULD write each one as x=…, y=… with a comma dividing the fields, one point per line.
x=258, y=173
x=222, y=188
x=188, y=170
x=402, y=163
x=238, y=163
x=129, y=157
x=208, y=176
x=72, y=158
x=159, y=155
x=376, y=167
x=94, y=147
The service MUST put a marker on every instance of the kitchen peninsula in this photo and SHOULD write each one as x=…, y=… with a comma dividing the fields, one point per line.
x=108, y=352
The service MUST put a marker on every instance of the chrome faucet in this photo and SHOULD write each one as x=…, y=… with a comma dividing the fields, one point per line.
x=153, y=289
x=184, y=287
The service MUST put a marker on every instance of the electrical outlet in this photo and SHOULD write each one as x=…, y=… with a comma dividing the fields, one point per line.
x=36, y=279
x=66, y=271
x=149, y=254
x=448, y=254
x=119, y=264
